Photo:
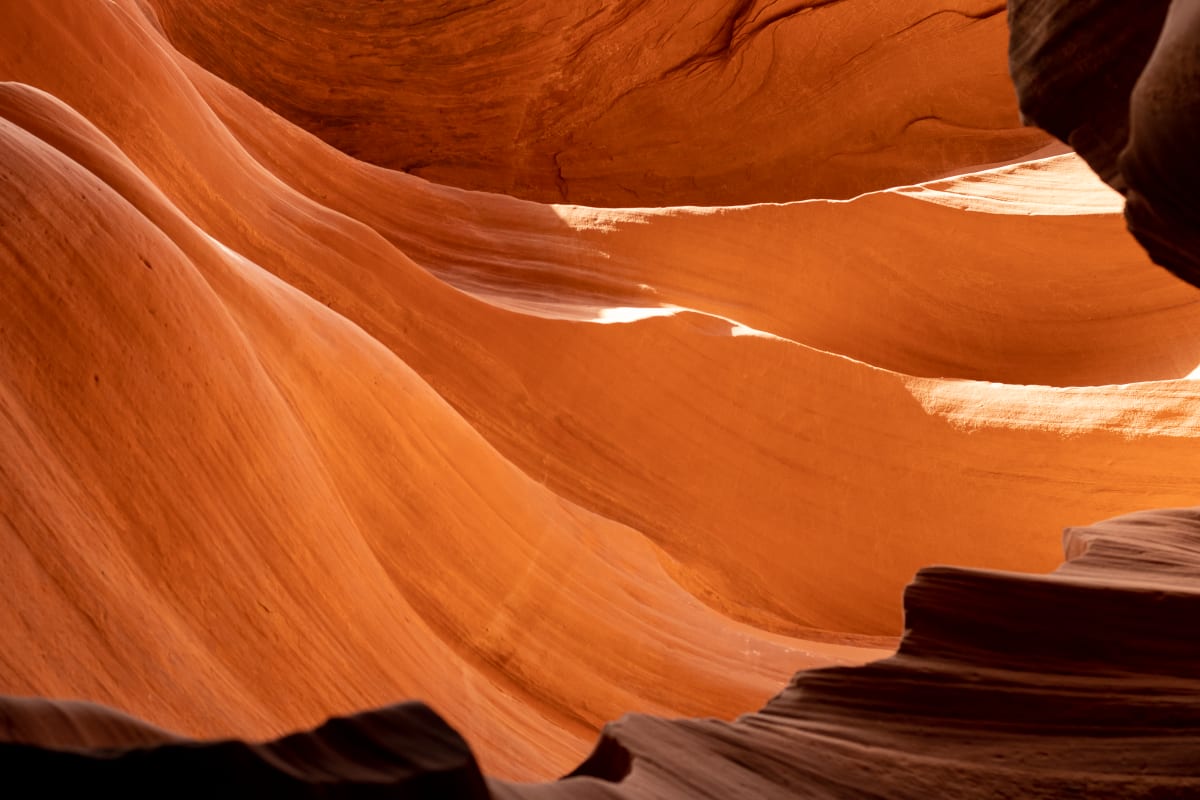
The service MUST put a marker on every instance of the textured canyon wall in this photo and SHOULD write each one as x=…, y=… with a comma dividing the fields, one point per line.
x=287, y=434
x=629, y=103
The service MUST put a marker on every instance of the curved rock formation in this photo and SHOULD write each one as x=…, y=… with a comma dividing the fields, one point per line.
x=1079, y=683
x=634, y=103
x=286, y=435
x=1075, y=684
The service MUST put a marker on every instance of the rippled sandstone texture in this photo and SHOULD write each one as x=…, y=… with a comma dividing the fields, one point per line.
x=287, y=435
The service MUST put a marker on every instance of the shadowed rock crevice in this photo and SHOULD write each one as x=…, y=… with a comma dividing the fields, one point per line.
x=405, y=751
x=1118, y=82
x=1075, y=64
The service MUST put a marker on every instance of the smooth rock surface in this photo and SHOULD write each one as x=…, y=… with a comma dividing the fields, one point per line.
x=1078, y=683
x=286, y=435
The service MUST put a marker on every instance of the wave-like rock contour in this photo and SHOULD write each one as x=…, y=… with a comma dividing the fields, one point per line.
x=1076, y=684
x=285, y=434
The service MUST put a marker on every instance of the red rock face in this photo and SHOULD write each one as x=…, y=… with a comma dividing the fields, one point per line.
x=288, y=435
x=633, y=103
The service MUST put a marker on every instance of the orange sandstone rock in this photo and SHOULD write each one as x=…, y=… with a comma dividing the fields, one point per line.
x=287, y=435
x=635, y=103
